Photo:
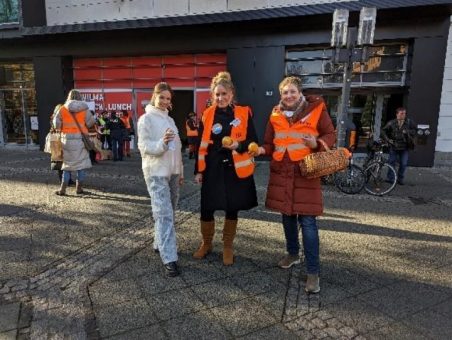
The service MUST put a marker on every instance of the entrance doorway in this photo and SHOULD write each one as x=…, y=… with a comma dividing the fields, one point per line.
x=368, y=111
x=18, y=117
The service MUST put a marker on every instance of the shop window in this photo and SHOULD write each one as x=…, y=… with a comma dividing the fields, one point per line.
x=9, y=11
x=386, y=66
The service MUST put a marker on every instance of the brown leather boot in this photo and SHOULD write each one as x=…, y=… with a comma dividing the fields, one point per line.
x=62, y=191
x=229, y=230
x=207, y=232
x=78, y=188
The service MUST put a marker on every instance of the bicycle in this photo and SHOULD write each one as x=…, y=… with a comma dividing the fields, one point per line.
x=351, y=180
x=378, y=171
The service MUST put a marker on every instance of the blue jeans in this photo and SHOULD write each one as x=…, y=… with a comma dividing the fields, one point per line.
x=310, y=234
x=81, y=174
x=401, y=157
x=164, y=194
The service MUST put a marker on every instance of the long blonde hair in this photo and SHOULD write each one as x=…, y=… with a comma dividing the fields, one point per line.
x=159, y=88
x=224, y=79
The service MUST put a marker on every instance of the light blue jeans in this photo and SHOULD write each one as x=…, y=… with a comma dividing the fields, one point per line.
x=81, y=174
x=164, y=194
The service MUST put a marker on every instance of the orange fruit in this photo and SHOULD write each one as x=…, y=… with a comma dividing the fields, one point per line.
x=227, y=141
x=253, y=147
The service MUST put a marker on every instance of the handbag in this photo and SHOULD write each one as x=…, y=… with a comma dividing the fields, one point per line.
x=324, y=163
x=89, y=145
x=54, y=146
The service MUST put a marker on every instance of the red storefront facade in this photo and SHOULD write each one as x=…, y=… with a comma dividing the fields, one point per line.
x=117, y=84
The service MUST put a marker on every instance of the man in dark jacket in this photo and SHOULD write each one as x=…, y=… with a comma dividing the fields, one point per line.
x=399, y=133
x=116, y=127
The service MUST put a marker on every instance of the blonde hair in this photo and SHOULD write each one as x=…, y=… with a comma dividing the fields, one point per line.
x=74, y=95
x=224, y=79
x=292, y=80
x=159, y=88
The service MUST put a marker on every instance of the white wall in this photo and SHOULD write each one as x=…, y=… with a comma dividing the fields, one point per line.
x=444, y=136
x=61, y=12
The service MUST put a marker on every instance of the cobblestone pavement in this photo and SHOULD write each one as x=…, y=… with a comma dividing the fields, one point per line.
x=83, y=268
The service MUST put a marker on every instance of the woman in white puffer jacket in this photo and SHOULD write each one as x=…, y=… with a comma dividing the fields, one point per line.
x=160, y=148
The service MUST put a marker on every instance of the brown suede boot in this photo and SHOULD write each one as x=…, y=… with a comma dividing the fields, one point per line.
x=229, y=230
x=207, y=232
x=78, y=188
x=62, y=191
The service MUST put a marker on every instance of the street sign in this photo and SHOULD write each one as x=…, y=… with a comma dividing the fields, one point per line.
x=340, y=27
x=366, y=30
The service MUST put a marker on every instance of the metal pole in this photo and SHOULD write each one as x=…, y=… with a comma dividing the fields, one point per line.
x=24, y=116
x=346, y=85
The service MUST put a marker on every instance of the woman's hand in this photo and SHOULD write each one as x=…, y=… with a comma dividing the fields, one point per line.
x=233, y=146
x=311, y=142
x=168, y=136
x=260, y=151
x=198, y=178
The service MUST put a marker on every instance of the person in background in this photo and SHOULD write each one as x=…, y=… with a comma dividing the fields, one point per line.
x=296, y=126
x=102, y=120
x=224, y=169
x=399, y=133
x=116, y=127
x=75, y=155
x=160, y=148
x=127, y=121
x=191, y=126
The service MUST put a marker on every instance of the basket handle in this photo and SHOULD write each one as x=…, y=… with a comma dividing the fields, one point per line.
x=324, y=144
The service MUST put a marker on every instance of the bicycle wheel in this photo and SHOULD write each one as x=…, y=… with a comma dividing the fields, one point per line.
x=351, y=180
x=376, y=178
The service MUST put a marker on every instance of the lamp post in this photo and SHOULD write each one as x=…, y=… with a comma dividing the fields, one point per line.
x=344, y=40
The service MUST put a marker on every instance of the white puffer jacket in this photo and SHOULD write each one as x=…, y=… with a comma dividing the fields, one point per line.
x=157, y=159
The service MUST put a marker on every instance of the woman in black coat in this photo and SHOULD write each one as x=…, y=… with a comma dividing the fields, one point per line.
x=222, y=189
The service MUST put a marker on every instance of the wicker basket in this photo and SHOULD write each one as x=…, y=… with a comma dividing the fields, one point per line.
x=324, y=163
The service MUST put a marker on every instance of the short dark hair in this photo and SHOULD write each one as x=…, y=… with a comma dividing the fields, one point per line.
x=400, y=109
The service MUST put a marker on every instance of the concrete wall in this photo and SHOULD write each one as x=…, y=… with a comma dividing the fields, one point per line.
x=60, y=12
x=443, y=149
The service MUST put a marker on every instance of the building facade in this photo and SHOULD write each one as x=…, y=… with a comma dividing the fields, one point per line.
x=115, y=51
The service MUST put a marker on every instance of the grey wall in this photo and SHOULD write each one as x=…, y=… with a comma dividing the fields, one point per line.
x=51, y=89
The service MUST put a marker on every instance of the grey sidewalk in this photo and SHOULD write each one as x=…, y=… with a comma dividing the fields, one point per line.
x=80, y=268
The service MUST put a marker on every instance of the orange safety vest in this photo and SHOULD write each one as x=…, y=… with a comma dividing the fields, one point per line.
x=190, y=132
x=243, y=162
x=68, y=124
x=290, y=138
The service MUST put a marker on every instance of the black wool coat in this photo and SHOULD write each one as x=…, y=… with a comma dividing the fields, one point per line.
x=221, y=188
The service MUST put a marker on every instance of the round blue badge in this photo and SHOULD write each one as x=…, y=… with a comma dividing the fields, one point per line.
x=217, y=128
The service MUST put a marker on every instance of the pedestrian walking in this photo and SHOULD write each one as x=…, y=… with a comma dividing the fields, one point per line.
x=160, y=148
x=295, y=126
x=224, y=170
x=73, y=119
x=400, y=134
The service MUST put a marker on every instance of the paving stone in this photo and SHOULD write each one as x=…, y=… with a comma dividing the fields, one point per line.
x=256, y=283
x=174, y=303
x=403, y=298
x=395, y=331
x=358, y=316
x=104, y=292
x=273, y=302
x=431, y=323
x=200, y=325
x=271, y=333
x=242, y=317
x=151, y=332
x=122, y=317
x=219, y=292
x=11, y=335
x=203, y=271
x=9, y=316
x=157, y=282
